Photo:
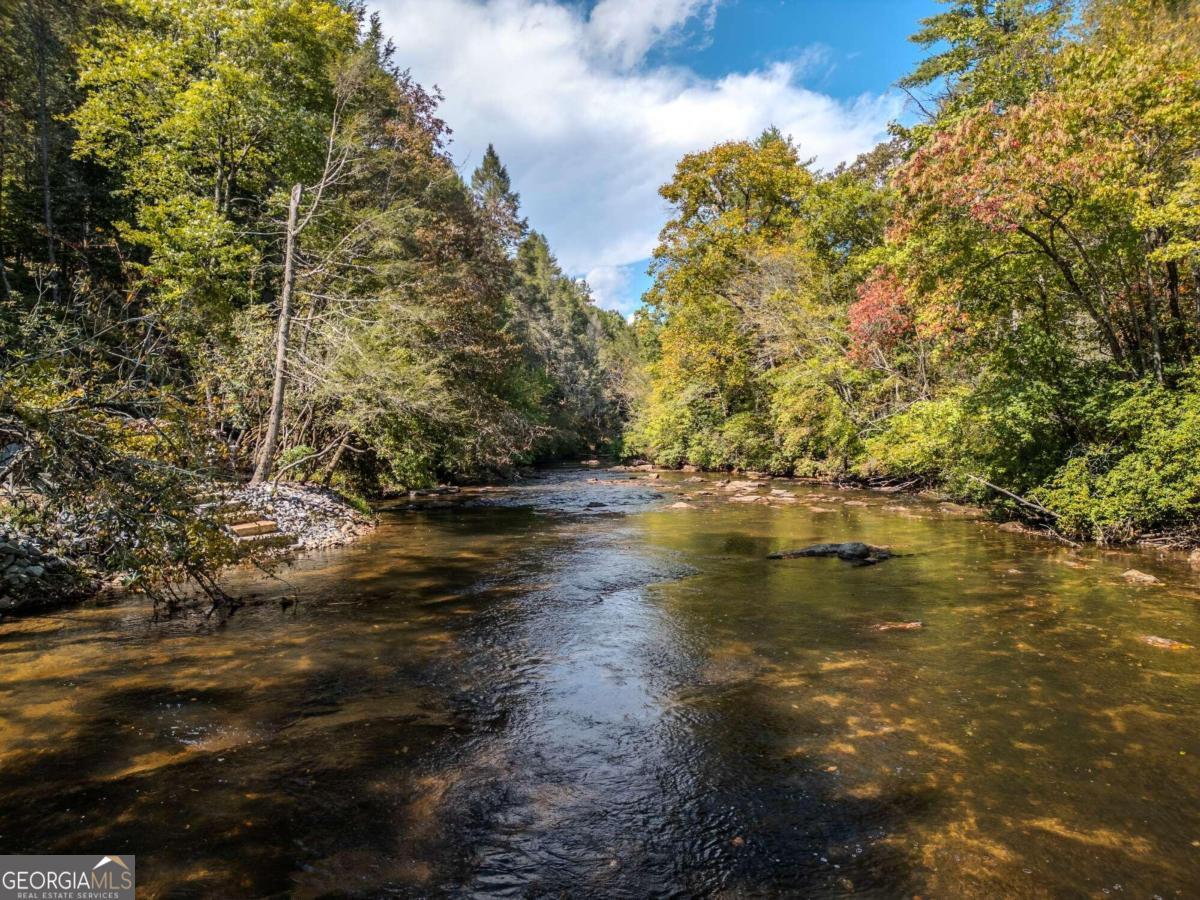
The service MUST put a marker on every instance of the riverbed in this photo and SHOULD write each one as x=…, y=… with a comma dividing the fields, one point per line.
x=574, y=687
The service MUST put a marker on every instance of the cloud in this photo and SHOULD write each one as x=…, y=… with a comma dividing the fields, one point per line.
x=625, y=29
x=618, y=287
x=587, y=129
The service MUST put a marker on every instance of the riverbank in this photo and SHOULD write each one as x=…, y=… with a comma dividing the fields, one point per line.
x=1184, y=539
x=263, y=522
x=306, y=517
x=34, y=576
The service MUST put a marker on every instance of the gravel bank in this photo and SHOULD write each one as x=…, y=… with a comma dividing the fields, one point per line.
x=314, y=518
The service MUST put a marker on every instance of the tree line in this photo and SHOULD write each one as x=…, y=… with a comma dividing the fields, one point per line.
x=1003, y=299
x=234, y=247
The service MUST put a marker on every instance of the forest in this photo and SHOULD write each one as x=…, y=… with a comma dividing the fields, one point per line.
x=1002, y=301
x=234, y=247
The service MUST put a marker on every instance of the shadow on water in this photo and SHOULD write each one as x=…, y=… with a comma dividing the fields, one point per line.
x=570, y=689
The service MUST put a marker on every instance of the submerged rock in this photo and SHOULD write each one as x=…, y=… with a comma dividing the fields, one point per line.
x=1133, y=576
x=898, y=626
x=851, y=551
x=1163, y=643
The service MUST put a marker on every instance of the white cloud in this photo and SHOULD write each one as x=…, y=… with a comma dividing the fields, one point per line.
x=625, y=29
x=587, y=130
x=614, y=287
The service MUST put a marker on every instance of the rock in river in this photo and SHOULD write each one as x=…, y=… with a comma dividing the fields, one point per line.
x=851, y=551
x=1137, y=577
x=1163, y=643
x=898, y=626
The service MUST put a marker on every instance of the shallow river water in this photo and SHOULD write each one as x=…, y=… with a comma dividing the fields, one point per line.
x=569, y=688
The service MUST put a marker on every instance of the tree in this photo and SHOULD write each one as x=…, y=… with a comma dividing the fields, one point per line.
x=995, y=51
x=500, y=204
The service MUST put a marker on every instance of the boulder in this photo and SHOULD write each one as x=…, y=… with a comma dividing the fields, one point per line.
x=851, y=551
x=739, y=485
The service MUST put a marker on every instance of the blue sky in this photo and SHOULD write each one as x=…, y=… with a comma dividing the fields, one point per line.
x=591, y=104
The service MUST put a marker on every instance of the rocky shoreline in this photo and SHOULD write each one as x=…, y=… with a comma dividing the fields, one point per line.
x=37, y=575
x=1182, y=539
x=307, y=517
x=33, y=576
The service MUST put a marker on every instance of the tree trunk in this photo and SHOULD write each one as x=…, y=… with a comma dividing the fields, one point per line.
x=5, y=287
x=1097, y=314
x=37, y=25
x=327, y=475
x=267, y=454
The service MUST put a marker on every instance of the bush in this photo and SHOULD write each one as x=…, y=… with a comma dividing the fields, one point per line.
x=1144, y=475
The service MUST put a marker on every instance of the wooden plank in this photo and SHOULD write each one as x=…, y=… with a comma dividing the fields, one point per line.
x=253, y=529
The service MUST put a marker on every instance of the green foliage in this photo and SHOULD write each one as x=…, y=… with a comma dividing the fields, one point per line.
x=1004, y=294
x=105, y=487
x=1142, y=472
x=428, y=337
x=987, y=50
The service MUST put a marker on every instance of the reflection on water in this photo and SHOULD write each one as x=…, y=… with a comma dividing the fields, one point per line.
x=571, y=688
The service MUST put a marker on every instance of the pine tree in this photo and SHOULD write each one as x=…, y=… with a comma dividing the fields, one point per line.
x=991, y=53
x=501, y=205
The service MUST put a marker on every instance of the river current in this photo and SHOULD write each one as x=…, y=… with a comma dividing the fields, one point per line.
x=573, y=687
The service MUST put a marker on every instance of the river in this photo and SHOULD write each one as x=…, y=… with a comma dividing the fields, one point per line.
x=571, y=688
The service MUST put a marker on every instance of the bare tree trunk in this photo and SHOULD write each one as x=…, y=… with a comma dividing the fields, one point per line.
x=267, y=453
x=38, y=26
x=327, y=475
x=5, y=287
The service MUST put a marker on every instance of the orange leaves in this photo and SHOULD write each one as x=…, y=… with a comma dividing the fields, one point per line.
x=881, y=317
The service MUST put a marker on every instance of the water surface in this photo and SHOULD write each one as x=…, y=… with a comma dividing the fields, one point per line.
x=570, y=688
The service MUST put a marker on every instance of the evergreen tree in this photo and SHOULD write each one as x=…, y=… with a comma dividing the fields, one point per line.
x=501, y=205
x=996, y=50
